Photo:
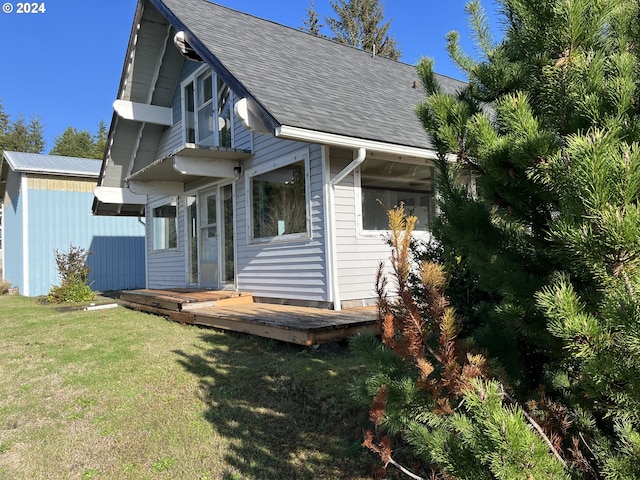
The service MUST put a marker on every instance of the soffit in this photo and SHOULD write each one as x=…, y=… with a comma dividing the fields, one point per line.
x=163, y=169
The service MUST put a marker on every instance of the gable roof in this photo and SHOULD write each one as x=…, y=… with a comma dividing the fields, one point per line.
x=46, y=165
x=297, y=85
x=300, y=80
x=52, y=164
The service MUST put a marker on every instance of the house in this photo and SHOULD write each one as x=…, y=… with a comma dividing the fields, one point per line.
x=47, y=206
x=261, y=156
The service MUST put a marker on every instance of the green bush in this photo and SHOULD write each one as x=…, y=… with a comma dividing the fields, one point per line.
x=74, y=275
x=70, y=293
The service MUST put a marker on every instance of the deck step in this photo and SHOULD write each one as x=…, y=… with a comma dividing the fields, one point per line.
x=184, y=300
x=238, y=299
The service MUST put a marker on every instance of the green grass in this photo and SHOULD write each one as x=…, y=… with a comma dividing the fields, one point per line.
x=118, y=394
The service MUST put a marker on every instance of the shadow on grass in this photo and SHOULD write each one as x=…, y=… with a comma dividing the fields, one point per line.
x=285, y=409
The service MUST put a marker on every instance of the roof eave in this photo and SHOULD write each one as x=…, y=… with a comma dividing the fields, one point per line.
x=269, y=121
x=326, y=138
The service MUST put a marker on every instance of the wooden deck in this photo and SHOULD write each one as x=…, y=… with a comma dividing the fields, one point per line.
x=238, y=312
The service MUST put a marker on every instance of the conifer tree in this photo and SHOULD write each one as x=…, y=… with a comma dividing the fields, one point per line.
x=360, y=23
x=100, y=141
x=312, y=23
x=540, y=201
x=4, y=123
x=21, y=136
x=80, y=143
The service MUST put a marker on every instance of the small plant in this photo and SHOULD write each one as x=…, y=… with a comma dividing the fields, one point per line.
x=4, y=287
x=163, y=464
x=90, y=474
x=74, y=276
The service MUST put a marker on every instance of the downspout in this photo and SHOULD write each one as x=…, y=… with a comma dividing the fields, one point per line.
x=362, y=154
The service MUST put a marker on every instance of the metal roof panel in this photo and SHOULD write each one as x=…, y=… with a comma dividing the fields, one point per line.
x=52, y=164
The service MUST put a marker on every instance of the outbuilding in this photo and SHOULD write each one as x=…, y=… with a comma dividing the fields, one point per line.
x=47, y=207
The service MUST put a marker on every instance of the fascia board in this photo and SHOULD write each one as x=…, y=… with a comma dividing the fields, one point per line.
x=324, y=138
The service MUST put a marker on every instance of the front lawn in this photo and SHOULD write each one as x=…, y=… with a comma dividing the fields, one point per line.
x=118, y=394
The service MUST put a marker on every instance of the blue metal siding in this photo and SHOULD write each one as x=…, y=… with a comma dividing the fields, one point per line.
x=12, y=226
x=58, y=219
x=116, y=263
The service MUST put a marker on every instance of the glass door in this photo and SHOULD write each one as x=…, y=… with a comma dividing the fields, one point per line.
x=208, y=230
x=192, y=240
x=226, y=235
x=211, y=236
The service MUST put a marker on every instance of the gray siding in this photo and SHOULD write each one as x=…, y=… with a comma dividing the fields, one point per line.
x=166, y=268
x=358, y=255
x=171, y=140
x=293, y=270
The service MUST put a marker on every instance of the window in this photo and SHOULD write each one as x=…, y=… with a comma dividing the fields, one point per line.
x=204, y=93
x=165, y=226
x=385, y=185
x=279, y=201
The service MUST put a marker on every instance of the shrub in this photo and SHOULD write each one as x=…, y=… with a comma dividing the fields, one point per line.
x=74, y=276
x=437, y=393
x=4, y=287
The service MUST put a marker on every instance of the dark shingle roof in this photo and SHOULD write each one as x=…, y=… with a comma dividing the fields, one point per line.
x=305, y=81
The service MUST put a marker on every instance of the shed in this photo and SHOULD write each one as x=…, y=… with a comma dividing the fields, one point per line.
x=47, y=207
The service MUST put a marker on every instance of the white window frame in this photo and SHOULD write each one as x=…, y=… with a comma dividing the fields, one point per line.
x=152, y=207
x=361, y=232
x=193, y=78
x=300, y=155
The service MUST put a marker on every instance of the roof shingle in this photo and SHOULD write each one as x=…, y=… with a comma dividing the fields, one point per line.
x=305, y=81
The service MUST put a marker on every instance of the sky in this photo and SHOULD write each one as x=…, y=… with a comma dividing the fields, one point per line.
x=63, y=62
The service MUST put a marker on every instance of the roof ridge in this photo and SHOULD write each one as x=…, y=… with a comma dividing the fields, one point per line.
x=299, y=30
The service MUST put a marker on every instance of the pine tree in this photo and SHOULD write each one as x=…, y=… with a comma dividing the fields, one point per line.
x=436, y=391
x=23, y=137
x=4, y=124
x=35, y=135
x=312, y=23
x=80, y=143
x=540, y=201
x=100, y=140
x=360, y=23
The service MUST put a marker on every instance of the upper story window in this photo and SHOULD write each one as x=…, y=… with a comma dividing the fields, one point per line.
x=206, y=110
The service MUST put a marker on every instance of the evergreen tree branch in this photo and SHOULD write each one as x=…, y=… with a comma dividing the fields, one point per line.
x=535, y=425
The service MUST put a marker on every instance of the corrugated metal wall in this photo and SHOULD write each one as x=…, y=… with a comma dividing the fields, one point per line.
x=59, y=215
x=12, y=231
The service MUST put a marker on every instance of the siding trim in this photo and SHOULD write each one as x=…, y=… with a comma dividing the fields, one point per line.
x=330, y=232
x=24, y=187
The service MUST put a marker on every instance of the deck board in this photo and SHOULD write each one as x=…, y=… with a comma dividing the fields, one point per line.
x=235, y=311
